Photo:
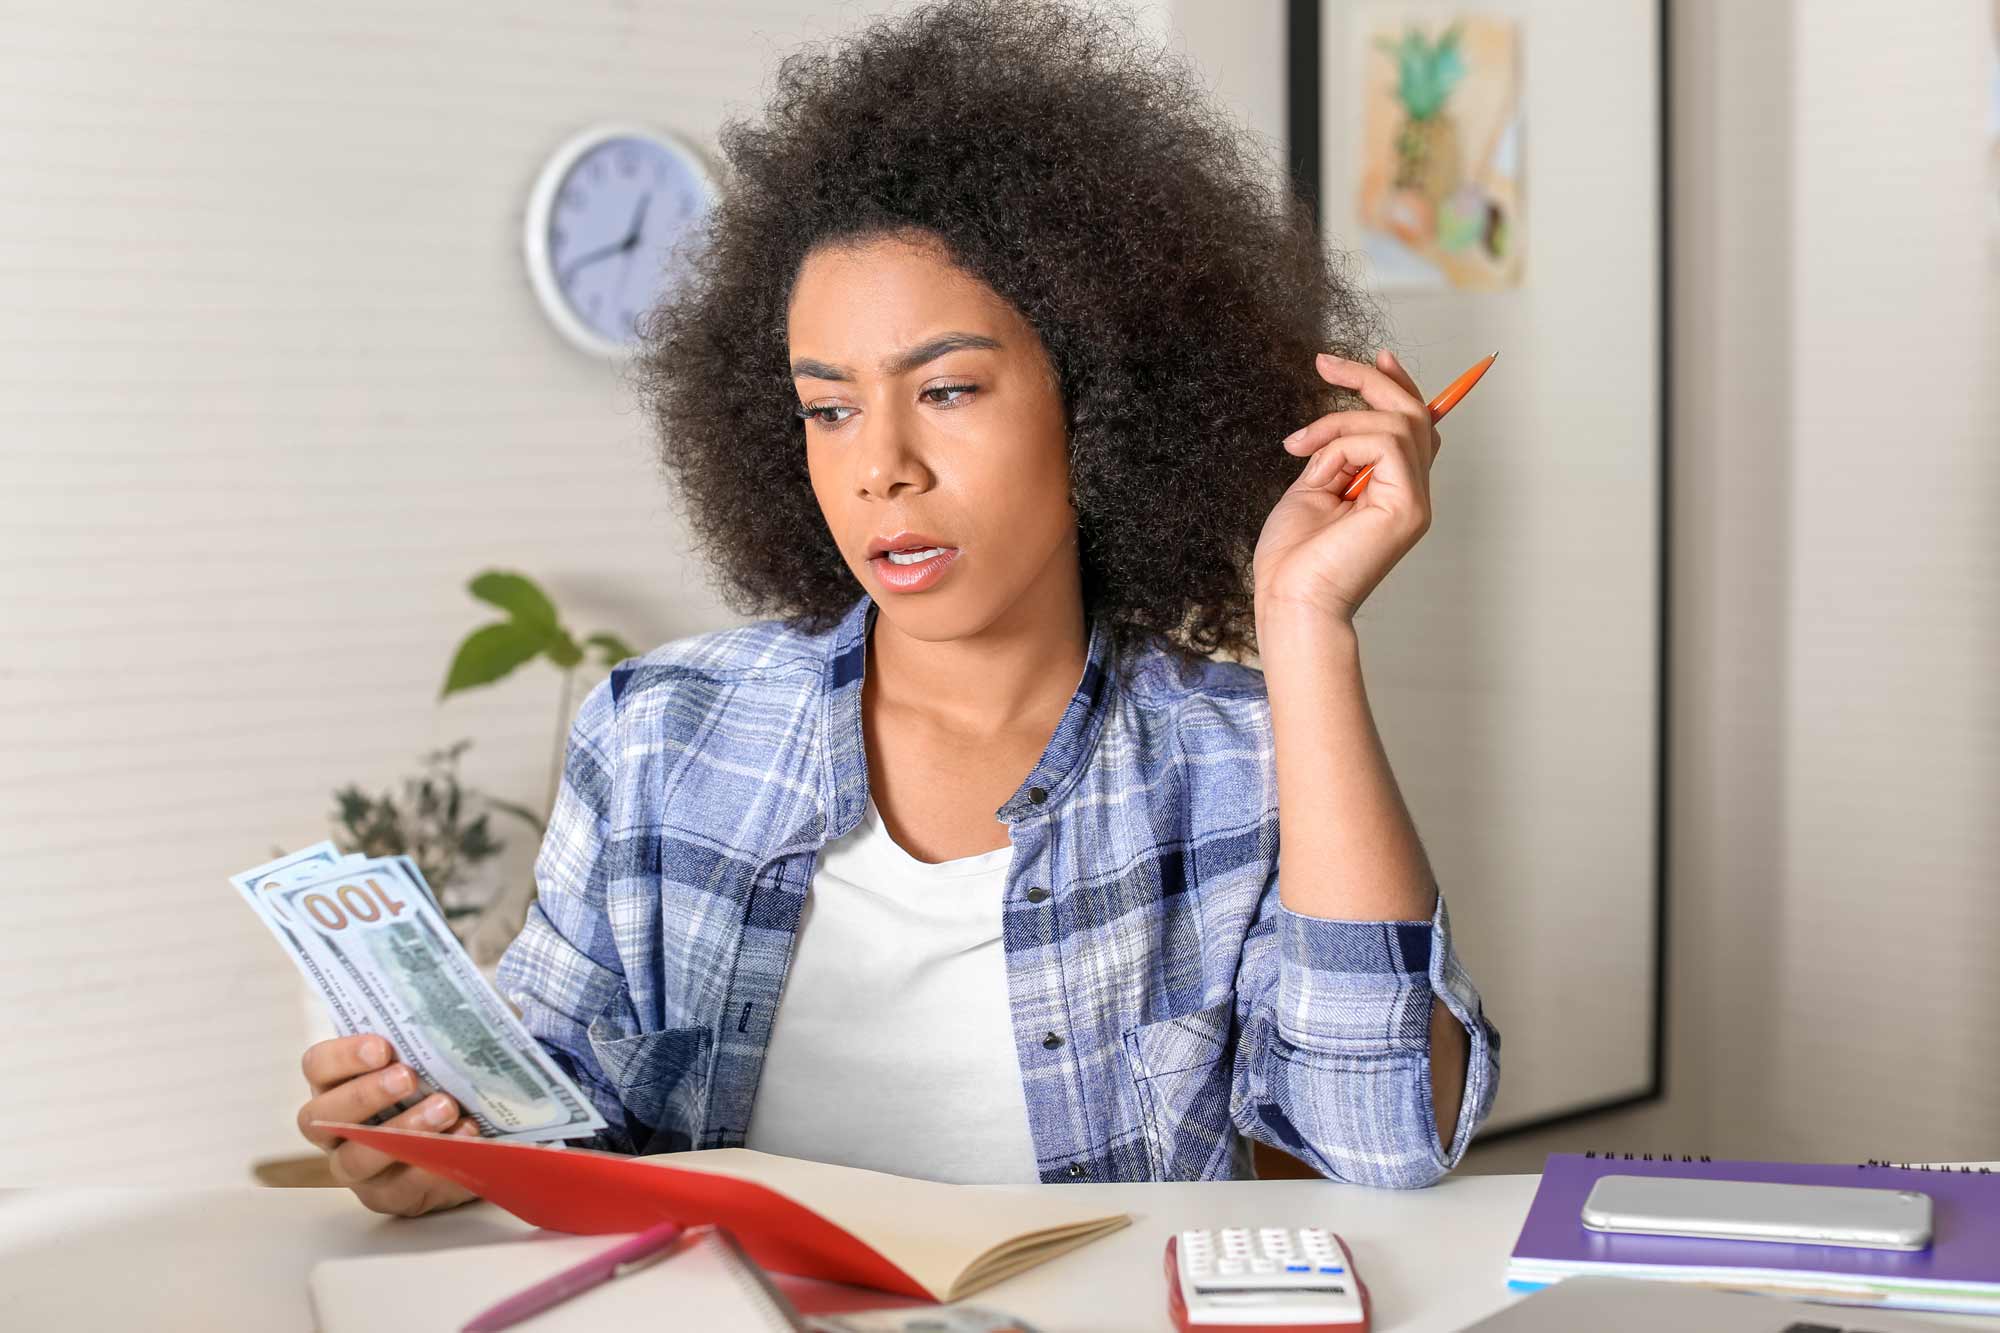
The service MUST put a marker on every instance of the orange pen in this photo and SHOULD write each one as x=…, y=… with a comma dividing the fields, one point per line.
x=1439, y=405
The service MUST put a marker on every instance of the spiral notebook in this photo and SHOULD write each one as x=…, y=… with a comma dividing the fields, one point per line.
x=1959, y=1273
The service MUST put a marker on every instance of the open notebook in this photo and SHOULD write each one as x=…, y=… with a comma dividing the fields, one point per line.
x=704, y=1281
x=916, y=1238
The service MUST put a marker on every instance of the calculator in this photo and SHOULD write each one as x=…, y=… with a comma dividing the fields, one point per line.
x=1264, y=1280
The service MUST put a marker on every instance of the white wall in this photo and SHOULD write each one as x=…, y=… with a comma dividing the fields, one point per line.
x=274, y=387
x=1889, y=907
x=1835, y=955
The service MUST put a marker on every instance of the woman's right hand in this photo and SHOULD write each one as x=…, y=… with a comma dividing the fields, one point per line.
x=353, y=1078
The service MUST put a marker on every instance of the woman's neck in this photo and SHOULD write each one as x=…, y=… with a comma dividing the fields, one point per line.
x=1019, y=669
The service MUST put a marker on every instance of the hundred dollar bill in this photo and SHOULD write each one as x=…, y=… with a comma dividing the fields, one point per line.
x=371, y=934
x=343, y=1005
x=256, y=885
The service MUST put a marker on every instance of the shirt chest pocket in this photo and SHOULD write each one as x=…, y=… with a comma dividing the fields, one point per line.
x=658, y=1077
x=1181, y=1069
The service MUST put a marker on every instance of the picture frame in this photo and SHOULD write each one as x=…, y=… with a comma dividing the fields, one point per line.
x=1518, y=657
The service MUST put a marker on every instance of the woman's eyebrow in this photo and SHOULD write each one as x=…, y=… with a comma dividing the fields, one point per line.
x=900, y=363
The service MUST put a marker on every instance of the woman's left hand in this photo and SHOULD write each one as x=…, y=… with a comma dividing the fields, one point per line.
x=1320, y=551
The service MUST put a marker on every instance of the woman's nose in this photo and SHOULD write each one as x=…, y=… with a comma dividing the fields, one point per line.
x=887, y=457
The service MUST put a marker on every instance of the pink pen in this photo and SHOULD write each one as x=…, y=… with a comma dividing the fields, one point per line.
x=647, y=1247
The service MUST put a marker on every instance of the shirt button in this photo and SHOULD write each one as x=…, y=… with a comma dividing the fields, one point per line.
x=1038, y=894
x=1076, y=1168
x=1051, y=1041
x=1037, y=795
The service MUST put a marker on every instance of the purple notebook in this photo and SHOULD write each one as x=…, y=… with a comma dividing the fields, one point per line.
x=1965, y=1220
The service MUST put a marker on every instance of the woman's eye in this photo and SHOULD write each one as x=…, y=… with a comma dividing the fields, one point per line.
x=833, y=414
x=824, y=413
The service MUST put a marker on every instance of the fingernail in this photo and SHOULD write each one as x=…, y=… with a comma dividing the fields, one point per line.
x=374, y=1053
x=438, y=1109
x=398, y=1081
x=1296, y=436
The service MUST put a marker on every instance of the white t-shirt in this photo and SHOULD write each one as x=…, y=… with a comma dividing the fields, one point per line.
x=893, y=1044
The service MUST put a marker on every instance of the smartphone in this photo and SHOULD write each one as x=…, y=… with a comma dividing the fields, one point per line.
x=1871, y=1219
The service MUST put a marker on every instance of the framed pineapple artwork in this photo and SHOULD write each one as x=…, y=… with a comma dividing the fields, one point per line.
x=1494, y=174
x=1437, y=187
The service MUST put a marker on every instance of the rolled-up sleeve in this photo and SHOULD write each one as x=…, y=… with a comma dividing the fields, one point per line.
x=1333, y=1059
x=563, y=971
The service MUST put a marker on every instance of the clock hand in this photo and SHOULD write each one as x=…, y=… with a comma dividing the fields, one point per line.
x=638, y=221
x=585, y=261
x=615, y=248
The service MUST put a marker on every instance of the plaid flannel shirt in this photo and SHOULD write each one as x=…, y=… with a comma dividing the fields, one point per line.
x=1166, y=1004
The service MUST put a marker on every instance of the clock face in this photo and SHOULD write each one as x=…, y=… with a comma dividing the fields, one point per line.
x=617, y=208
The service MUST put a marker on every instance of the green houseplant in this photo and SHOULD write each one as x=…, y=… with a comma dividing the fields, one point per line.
x=435, y=820
x=447, y=827
x=531, y=630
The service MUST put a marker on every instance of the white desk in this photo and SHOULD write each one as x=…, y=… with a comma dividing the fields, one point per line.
x=1433, y=1259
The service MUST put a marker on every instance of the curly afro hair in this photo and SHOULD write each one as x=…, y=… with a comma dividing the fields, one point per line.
x=1081, y=172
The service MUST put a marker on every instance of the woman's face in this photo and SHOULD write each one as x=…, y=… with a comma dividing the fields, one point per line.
x=934, y=420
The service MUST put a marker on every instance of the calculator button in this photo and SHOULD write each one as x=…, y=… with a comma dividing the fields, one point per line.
x=1263, y=1266
x=1230, y=1267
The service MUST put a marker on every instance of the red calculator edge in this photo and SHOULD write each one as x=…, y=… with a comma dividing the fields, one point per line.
x=1178, y=1308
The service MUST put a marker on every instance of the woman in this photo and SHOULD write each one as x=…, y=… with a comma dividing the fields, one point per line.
x=992, y=385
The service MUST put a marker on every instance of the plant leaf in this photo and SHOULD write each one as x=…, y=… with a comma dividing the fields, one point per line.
x=475, y=843
x=353, y=806
x=614, y=649
x=489, y=653
x=516, y=594
x=562, y=649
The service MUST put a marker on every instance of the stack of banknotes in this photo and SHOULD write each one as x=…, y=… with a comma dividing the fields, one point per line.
x=368, y=934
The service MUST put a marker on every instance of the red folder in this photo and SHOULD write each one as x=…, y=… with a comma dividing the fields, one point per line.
x=594, y=1193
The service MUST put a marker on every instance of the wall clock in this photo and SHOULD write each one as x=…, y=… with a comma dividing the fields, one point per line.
x=606, y=210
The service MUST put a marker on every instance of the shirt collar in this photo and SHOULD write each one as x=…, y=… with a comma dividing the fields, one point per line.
x=1053, y=775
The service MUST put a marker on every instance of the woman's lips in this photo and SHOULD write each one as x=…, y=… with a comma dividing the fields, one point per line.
x=913, y=578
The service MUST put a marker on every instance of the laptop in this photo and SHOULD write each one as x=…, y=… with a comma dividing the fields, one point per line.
x=1600, y=1304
